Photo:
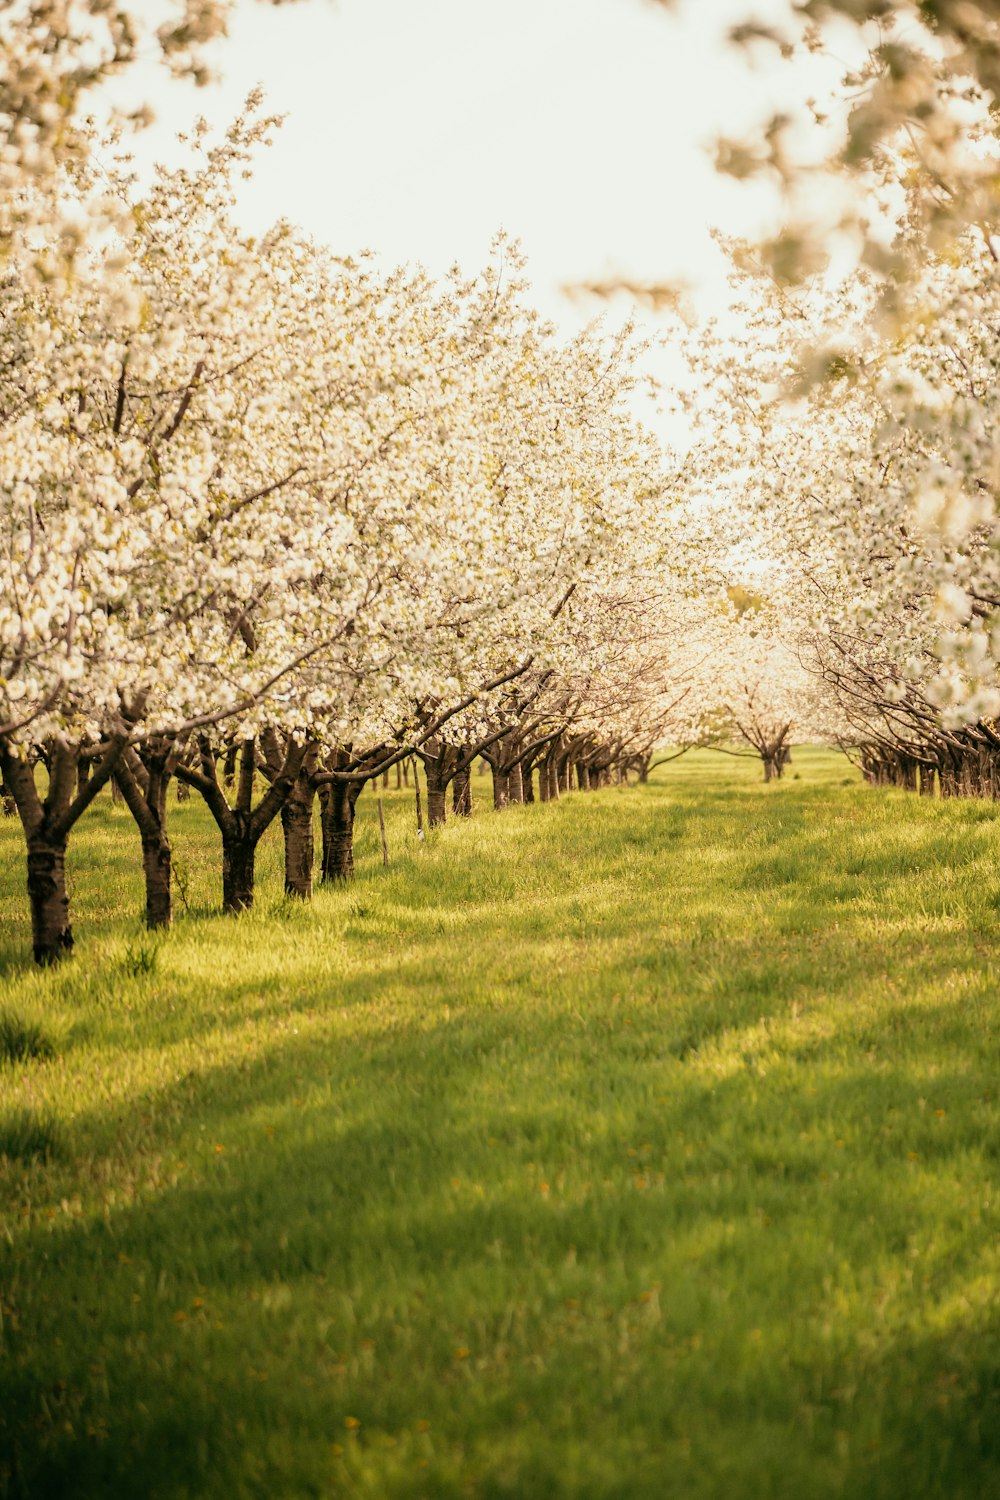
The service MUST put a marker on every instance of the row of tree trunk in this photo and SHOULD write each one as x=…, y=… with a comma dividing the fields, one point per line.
x=965, y=764
x=263, y=778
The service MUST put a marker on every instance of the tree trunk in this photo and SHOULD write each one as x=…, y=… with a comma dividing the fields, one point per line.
x=242, y=827
x=297, y=830
x=461, y=793
x=501, y=788
x=551, y=770
x=143, y=785
x=984, y=774
x=583, y=775
x=51, y=933
x=437, y=789
x=47, y=827
x=337, y=803
x=239, y=853
x=966, y=783
x=906, y=773
x=776, y=757
x=156, y=866
x=515, y=786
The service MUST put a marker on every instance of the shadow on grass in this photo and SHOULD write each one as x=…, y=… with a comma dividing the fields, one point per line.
x=606, y=1246
x=569, y=1186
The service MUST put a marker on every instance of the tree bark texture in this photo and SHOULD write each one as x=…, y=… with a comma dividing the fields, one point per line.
x=143, y=785
x=51, y=933
x=239, y=853
x=551, y=769
x=501, y=788
x=157, y=868
x=461, y=793
x=337, y=803
x=297, y=831
x=47, y=825
x=437, y=787
x=242, y=827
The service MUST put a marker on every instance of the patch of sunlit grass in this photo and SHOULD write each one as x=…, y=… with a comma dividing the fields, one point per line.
x=641, y=1144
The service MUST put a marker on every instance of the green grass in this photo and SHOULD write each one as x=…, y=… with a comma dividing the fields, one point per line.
x=22, y=1040
x=640, y=1145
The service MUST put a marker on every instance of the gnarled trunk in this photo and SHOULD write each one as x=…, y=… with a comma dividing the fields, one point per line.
x=440, y=762
x=551, y=771
x=239, y=854
x=337, y=803
x=773, y=767
x=242, y=827
x=51, y=933
x=156, y=867
x=501, y=788
x=297, y=830
x=437, y=788
x=47, y=826
x=143, y=785
x=461, y=793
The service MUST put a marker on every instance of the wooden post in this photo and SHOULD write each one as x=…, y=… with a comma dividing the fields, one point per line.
x=381, y=828
x=420, y=812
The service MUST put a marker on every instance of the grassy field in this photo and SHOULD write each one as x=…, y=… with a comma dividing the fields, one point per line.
x=640, y=1145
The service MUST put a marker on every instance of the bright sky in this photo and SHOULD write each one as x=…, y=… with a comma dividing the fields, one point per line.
x=417, y=128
